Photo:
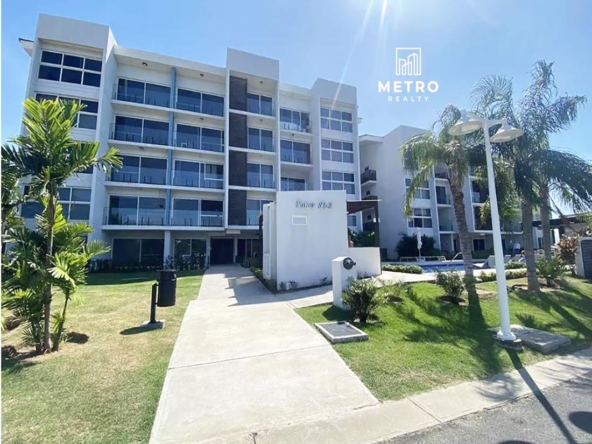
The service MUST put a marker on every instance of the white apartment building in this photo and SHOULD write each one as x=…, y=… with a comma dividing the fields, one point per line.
x=203, y=147
x=382, y=177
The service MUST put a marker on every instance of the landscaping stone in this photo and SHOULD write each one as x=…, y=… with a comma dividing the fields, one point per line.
x=341, y=331
x=539, y=340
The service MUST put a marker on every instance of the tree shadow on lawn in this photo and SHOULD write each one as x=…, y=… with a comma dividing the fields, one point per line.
x=19, y=361
x=133, y=277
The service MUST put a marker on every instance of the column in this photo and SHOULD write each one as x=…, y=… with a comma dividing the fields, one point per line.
x=169, y=178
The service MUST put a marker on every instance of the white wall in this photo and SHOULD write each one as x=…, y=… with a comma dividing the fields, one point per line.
x=303, y=253
x=367, y=260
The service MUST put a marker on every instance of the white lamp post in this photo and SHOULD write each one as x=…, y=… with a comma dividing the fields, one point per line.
x=467, y=124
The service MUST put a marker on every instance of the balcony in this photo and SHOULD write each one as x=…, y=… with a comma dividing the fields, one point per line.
x=197, y=144
x=443, y=200
x=370, y=197
x=134, y=216
x=263, y=182
x=185, y=218
x=294, y=127
x=446, y=226
x=478, y=198
x=295, y=157
x=200, y=103
x=143, y=96
x=441, y=174
x=192, y=179
x=154, y=176
x=368, y=175
x=139, y=136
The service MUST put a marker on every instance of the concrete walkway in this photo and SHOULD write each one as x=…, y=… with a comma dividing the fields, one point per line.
x=244, y=362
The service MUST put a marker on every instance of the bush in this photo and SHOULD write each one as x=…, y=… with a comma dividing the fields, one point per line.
x=512, y=274
x=412, y=269
x=250, y=262
x=407, y=246
x=362, y=238
x=452, y=283
x=362, y=296
x=550, y=270
x=392, y=292
x=515, y=265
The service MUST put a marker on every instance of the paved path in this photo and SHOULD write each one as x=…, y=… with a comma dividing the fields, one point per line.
x=244, y=362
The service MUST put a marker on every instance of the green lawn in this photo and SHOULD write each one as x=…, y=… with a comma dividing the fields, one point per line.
x=107, y=389
x=421, y=344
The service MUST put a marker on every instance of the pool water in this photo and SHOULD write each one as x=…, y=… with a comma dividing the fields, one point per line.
x=441, y=267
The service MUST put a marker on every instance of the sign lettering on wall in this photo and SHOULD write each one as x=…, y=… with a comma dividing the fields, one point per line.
x=321, y=204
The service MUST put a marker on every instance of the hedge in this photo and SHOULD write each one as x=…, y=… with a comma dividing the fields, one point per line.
x=413, y=269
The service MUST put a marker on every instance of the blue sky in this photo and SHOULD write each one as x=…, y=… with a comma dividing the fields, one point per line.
x=348, y=40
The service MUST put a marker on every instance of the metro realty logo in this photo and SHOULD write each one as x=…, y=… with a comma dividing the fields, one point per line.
x=408, y=64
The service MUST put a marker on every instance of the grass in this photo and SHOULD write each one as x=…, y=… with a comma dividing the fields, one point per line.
x=421, y=344
x=103, y=390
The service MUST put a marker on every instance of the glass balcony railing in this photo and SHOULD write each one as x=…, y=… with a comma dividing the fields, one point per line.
x=134, y=216
x=370, y=197
x=261, y=182
x=368, y=175
x=143, y=96
x=199, y=144
x=137, y=135
x=299, y=128
x=446, y=226
x=295, y=157
x=213, y=107
x=443, y=200
x=261, y=144
x=192, y=179
x=441, y=174
x=155, y=176
x=186, y=218
x=253, y=218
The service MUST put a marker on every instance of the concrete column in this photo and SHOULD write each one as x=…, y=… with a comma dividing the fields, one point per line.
x=171, y=141
x=235, y=248
x=168, y=244
x=208, y=249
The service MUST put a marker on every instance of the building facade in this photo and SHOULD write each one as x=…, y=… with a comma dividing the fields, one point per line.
x=382, y=177
x=203, y=147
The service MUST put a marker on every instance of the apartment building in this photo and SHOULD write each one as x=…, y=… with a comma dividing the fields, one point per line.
x=203, y=147
x=382, y=177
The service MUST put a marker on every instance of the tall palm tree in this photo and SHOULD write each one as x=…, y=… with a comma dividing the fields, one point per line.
x=48, y=156
x=542, y=176
x=422, y=153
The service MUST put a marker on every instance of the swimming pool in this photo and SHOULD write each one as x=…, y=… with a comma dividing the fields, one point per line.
x=433, y=268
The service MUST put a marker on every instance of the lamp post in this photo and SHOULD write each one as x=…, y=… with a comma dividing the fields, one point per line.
x=467, y=124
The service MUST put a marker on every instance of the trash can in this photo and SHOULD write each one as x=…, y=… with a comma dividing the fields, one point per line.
x=167, y=288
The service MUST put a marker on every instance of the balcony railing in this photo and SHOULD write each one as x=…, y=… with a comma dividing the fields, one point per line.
x=446, y=226
x=444, y=200
x=253, y=218
x=370, y=197
x=289, y=126
x=186, y=218
x=477, y=198
x=189, y=179
x=261, y=182
x=155, y=176
x=123, y=134
x=261, y=145
x=134, y=216
x=143, y=97
x=182, y=142
x=199, y=105
x=368, y=175
x=441, y=174
x=296, y=157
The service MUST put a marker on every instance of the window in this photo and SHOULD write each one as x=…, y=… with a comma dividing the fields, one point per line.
x=254, y=210
x=141, y=170
x=75, y=204
x=206, y=139
x=190, y=247
x=133, y=210
x=31, y=209
x=259, y=104
x=336, y=120
x=337, y=151
x=87, y=117
x=131, y=129
x=260, y=139
x=202, y=175
x=144, y=251
x=260, y=176
x=295, y=152
x=140, y=92
x=291, y=184
x=478, y=244
x=294, y=120
x=422, y=192
x=339, y=181
x=198, y=102
x=422, y=218
x=70, y=69
x=352, y=220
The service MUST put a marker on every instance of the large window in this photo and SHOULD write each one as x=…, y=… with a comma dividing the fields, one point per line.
x=422, y=218
x=294, y=120
x=478, y=244
x=259, y=104
x=86, y=118
x=141, y=170
x=260, y=139
x=67, y=68
x=295, y=152
x=260, y=176
x=333, y=180
x=194, y=137
x=186, y=248
x=199, y=102
x=201, y=175
x=352, y=220
x=291, y=184
x=422, y=192
x=337, y=151
x=144, y=251
x=254, y=210
x=75, y=204
x=140, y=92
x=197, y=213
x=133, y=210
x=336, y=120
x=131, y=129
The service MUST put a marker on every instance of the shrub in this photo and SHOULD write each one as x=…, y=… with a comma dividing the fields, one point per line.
x=511, y=274
x=407, y=246
x=362, y=238
x=250, y=262
x=362, y=296
x=412, y=269
x=550, y=270
x=452, y=283
x=515, y=265
x=391, y=292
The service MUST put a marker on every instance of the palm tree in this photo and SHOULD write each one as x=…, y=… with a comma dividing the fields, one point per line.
x=542, y=176
x=48, y=155
x=422, y=153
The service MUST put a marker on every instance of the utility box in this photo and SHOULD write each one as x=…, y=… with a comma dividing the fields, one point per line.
x=584, y=258
x=167, y=288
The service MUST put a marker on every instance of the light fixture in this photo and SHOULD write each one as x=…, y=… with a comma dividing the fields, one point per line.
x=506, y=133
x=144, y=64
x=466, y=125
x=261, y=82
x=201, y=118
x=201, y=74
x=261, y=120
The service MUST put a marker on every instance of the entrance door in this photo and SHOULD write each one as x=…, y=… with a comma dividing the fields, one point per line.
x=222, y=251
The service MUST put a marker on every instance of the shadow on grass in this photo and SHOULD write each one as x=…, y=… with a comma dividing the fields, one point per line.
x=77, y=338
x=133, y=277
x=16, y=363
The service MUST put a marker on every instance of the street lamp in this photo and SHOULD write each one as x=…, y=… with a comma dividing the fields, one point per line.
x=467, y=124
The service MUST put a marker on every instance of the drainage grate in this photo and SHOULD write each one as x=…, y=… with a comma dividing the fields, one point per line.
x=341, y=331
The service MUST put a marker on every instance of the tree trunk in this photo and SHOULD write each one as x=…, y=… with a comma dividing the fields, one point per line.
x=546, y=222
x=531, y=275
x=464, y=239
x=47, y=296
x=58, y=338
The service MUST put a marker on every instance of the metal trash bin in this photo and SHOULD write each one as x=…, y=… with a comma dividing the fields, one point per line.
x=167, y=288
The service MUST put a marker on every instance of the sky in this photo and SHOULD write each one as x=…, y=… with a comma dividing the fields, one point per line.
x=352, y=41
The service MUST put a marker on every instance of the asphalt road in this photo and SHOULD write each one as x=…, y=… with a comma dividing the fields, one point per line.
x=560, y=414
